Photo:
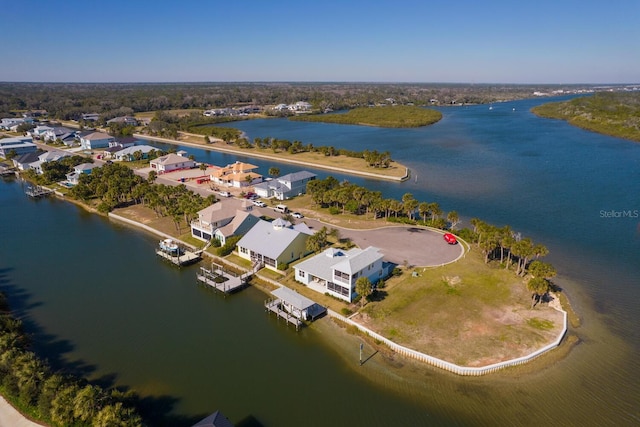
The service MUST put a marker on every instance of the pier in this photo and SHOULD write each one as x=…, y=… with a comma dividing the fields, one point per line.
x=293, y=307
x=175, y=254
x=37, y=191
x=222, y=280
x=274, y=306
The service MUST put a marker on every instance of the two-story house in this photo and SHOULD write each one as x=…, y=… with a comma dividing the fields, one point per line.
x=335, y=271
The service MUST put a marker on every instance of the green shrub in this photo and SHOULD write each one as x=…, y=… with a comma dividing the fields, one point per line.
x=334, y=210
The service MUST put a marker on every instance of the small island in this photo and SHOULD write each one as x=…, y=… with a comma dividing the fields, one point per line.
x=396, y=116
x=609, y=113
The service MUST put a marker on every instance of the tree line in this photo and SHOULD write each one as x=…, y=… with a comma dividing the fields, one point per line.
x=500, y=244
x=116, y=185
x=68, y=101
x=53, y=397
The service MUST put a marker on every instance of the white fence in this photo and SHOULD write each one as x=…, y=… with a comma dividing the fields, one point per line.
x=442, y=364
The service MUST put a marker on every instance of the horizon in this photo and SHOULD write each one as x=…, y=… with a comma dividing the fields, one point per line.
x=407, y=41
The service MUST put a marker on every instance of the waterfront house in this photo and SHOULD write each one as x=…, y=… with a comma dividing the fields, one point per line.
x=23, y=161
x=83, y=168
x=132, y=153
x=335, y=271
x=236, y=175
x=46, y=157
x=211, y=218
x=274, y=244
x=95, y=140
x=19, y=145
x=285, y=186
x=171, y=162
x=123, y=142
x=239, y=225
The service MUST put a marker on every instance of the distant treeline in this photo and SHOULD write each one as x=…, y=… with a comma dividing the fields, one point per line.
x=616, y=113
x=67, y=101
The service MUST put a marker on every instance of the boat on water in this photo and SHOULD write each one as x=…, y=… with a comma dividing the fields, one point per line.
x=168, y=245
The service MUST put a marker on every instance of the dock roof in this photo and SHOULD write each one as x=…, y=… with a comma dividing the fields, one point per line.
x=293, y=298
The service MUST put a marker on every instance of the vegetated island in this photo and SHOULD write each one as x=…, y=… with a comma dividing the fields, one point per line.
x=394, y=116
x=193, y=129
x=609, y=113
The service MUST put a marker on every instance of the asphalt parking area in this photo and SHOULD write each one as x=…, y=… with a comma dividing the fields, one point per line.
x=417, y=246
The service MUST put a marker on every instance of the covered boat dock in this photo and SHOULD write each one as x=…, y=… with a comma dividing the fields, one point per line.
x=293, y=307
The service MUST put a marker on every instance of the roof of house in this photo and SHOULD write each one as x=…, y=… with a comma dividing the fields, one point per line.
x=130, y=150
x=296, y=176
x=216, y=212
x=171, y=159
x=237, y=222
x=84, y=167
x=97, y=135
x=51, y=156
x=350, y=261
x=269, y=240
x=28, y=157
x=217, y=419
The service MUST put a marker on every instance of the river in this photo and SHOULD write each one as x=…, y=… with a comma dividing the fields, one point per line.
x=99, y=303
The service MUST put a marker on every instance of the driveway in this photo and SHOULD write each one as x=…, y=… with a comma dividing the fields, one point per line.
x=417, y=246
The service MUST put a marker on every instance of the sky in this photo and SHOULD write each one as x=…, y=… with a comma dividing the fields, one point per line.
x=444, y=41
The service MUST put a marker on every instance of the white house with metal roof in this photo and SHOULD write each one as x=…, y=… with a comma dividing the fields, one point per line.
x=129, y=154
x=79, y=170
x=274, y=244
x=95, y=140
x=285, y=186
x=335, y=271
x=171, y=162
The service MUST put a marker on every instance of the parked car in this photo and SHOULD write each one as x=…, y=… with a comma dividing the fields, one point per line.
x=450, y=238
x=250, y=195
x=297, y=215
x=260, y=204
x=281, y=208
x=224, y=193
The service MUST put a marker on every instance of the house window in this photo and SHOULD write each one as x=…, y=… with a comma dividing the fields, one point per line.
x=300, y=273
x=244, y=250
x=269, y=261
x=343, y=277
x=338, y=289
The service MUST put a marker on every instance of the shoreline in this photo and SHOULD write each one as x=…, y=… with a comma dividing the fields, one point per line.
x=209, y=147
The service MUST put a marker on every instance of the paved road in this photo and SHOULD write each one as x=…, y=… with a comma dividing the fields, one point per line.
x=417, y=246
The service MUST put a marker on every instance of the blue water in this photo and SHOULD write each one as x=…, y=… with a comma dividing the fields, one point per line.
x=96, y=297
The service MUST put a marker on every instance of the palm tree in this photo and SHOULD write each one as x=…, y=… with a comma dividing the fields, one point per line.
x=363, y=288
x=539, y=286
x=453, y=219
x=274, y=171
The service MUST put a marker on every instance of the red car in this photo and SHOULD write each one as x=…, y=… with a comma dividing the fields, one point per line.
x=450, y=238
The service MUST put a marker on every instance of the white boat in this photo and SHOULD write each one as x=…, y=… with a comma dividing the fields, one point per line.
x=168, y=245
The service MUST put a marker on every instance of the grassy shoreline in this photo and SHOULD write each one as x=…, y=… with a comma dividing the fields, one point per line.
x=397, y=172
x=613, y=114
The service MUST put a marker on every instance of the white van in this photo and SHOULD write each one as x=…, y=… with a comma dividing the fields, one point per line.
x=224, y=193
x=281, y=208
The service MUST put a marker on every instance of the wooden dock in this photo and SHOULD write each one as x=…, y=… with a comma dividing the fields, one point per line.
x=273, y=305
x=222, y=280
x=179, y=258
x=37, y=191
